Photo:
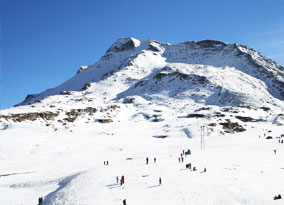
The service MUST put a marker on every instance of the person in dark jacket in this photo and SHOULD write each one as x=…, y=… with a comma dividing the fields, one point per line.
x=147, y=160
x=124, y=201
x=160, y=181
x=40, y=200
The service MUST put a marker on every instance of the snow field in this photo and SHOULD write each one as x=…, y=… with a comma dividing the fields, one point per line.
x=67, y=168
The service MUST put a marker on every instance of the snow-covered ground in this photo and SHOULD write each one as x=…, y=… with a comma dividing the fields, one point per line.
x=67, y=167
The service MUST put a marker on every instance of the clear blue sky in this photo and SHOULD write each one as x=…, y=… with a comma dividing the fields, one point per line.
x=44, y=42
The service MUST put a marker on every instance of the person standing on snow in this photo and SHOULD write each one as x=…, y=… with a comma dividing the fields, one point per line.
x=124, y=201
x=122, y=180
x=160, y=181
x=117, y=179
x=147, y=160
x=155, y=160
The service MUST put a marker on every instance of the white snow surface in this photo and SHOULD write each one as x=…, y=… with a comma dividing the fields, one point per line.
x=157, y=97
x=67, y=167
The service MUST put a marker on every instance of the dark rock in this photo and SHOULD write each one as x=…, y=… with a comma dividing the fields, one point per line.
x=218, y=114
x=156, y=118
x=210, y=43
x=128, y=45
x=128, y=100
x=28, y=97
x=70, y=119
x=247, y=119
x=196, y=115
x=65, y=92
x=265, y=108
x=160, y=136
x=30, y=116
x=105, y=120
x=231, y=127
x=86, y=86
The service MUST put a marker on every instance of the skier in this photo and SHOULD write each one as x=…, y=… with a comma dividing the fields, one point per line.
x=182, y=151
x=147, y=160
x=281, y=141
x=204, y=169
x=160, y=181
x=179, y=160
x=182, y=159
x=106, y=162
x=117, y=179
x=275, y=151
x=194, y=169
x=155, y=160
x=124, y=201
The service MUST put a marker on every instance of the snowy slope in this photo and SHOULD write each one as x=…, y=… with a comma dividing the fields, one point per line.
x=150, y=99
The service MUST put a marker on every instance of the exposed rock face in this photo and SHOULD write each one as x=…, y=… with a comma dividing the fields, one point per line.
x=79, y=112
x=231, y=127
x=71, y=115
x=30, y=116
x=123, y=44
x=86, y=86
x=247, y=119
x=195, y=115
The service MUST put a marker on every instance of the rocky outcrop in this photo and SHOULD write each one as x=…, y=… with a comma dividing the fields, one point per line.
x=30, y=116
x=82, y=67
x=48, y=115
x=231, y=127
x=105, y=120
x=86, y=86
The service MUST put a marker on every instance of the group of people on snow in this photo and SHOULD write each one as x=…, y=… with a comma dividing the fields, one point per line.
x=40, y=201
x=147, y=160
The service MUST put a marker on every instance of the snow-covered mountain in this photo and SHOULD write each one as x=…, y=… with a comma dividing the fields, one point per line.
x=146, y=98
x=189, y=74
x=218, y=73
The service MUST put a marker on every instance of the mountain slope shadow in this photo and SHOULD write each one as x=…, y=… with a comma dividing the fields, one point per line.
x=49, y=199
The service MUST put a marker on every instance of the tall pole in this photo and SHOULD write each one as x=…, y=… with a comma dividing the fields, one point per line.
x=202, y=133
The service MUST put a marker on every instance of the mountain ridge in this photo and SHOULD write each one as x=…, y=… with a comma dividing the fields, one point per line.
x=126, y=51
x=209, y=76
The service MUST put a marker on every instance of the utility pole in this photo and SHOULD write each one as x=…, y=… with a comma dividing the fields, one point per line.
x=202, y=134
